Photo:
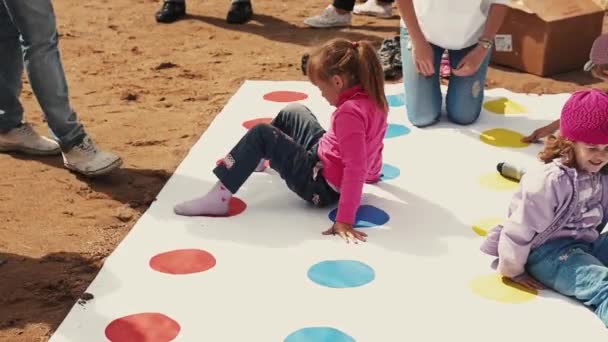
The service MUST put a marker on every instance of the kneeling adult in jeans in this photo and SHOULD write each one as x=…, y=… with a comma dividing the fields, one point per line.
x=466, y=28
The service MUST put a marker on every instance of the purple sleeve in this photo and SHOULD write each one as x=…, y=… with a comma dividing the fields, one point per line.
x=532, y=210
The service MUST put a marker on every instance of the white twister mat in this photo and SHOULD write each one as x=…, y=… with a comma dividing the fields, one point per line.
x=267, y=274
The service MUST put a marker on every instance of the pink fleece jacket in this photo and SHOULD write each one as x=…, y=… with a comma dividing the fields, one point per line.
x=351, y=150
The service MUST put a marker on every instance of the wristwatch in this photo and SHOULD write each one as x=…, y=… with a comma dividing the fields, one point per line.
x=486, y=43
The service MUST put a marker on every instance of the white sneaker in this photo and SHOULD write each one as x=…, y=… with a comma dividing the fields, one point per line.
x=374, y=8
x=329, y=18
x=25, y=139
x=87, y=159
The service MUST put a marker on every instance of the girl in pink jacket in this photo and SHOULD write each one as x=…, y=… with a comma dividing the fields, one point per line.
x=322, y=167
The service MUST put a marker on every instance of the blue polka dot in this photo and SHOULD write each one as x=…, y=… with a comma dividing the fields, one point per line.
x=341, y=274
x=395, y=130
x=396, y=100
x=318, y=334
x=389, y=172
x=367, y=216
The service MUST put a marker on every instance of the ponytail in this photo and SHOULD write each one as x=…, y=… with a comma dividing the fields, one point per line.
x=371, y=75
x=357, y=61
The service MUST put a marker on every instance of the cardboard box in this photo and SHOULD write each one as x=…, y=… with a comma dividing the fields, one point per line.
x=545, y=37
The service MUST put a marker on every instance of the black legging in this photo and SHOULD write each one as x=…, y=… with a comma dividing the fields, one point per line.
x=348, y=5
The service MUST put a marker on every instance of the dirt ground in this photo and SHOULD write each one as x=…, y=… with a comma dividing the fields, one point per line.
x=147, y=91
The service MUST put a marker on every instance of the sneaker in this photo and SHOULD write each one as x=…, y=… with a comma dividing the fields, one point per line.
x=240, y=12
x=25, y=139
x=171, y=11
x=374, y=8
x=87, y=159
x=445, y=71
x=304, y=63
x=329, y=18
x=390, y=58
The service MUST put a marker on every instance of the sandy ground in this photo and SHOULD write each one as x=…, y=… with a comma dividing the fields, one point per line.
x=146, y=91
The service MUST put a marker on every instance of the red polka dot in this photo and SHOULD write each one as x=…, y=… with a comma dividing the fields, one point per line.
x=251, y=123
x=285, y=96
x=143, y=327
x=236, y=207
x=183, y=261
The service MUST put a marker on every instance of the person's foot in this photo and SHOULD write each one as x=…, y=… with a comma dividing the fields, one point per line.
x=374, y=8
x=25, y=139
x=171, y=11
x=215, y=203
x=445, y=70
x=240, y=12
x=304, y=63
x=390, y=58
x=87, y=159
x=329, y=18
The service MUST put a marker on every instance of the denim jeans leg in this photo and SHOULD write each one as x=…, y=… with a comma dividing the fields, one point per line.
x=35, y=21
x=465, y=94
x=569, y=267
x=11, y=68
x=422, y=94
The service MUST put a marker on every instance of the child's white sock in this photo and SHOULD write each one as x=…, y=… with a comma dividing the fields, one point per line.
x=214, y=203
x=261, y=166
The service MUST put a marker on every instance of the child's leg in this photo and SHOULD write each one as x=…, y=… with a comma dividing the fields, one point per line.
x=422, y=94
x=465, y=94
x=568, y=267
x=289, y=158
x=299, y=123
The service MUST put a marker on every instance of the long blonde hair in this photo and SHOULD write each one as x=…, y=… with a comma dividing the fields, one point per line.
x=358, y=61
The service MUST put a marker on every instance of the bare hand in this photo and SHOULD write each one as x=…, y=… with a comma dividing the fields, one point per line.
x=541, y=132
x=346, y=232
x=470, y=63
x=527, y=281
x=423, y=57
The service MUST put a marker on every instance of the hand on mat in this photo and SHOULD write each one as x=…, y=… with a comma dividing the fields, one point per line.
x=470, y=63
x=346, y=232
x=423, y=57
x=527, y=281
x=542, y=132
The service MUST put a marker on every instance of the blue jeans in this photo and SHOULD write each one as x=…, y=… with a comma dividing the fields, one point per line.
x=423, y=94
x=575, y=269
x=28, y=35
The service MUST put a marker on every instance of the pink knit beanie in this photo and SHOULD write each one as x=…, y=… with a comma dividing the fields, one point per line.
x=585, y=117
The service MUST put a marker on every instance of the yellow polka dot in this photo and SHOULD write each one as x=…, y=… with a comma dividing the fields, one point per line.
x=497, y=288
x=502, y=138
x=504, y=106
x=497, y=182
x=482, y=227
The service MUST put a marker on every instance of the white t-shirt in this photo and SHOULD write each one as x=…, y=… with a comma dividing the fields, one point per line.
x=453, y=24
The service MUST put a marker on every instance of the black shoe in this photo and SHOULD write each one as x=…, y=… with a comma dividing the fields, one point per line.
x=171, y=11
x=240, y=12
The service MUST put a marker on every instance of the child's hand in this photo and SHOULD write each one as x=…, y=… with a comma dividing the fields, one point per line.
x=470, y=63
x=541, y=132
x=347, y=232
x=423, y=57
x=527, y=281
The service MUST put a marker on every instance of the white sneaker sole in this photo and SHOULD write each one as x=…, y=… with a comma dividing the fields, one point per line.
x=99, y=172
x=328, y=26
x=31, y=151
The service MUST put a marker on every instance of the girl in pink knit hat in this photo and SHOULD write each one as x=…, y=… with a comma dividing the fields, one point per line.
x=552, y=234
x=597, y=66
